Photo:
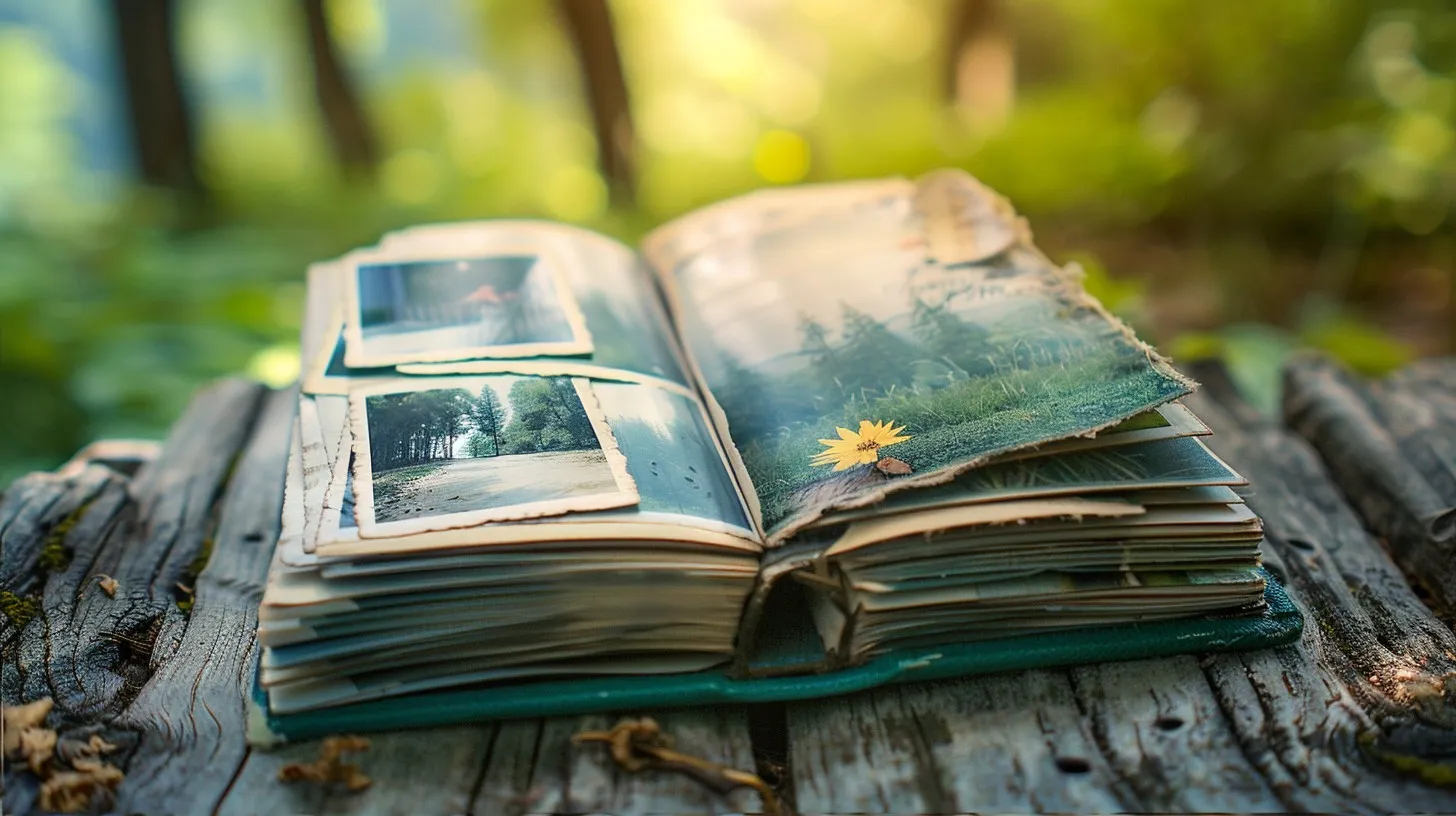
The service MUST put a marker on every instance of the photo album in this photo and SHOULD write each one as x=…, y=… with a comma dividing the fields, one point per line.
x=800, y=443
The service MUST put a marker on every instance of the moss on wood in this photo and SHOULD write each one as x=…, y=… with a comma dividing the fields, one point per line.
x=55, y=556
x=1429, y=771
x=199, y=562
x=19, y=610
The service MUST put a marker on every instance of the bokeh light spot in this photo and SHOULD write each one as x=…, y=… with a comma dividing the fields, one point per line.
x=357, y=25
x=275, y=366
x=1170, y=119
x=781, y=157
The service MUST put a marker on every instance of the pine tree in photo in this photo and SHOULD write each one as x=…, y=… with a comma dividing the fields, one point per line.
x=948, y=338
x=488, y=415
x=872, y=359
x=825, y=362
x=547, y=415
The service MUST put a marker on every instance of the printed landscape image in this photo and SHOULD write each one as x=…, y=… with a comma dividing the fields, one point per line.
x=503, y=441
x=838, y=322
x=623, y=311
x=671, y=453
x=425, y=307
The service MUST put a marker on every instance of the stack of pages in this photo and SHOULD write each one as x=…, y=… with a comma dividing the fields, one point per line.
x=805, y=441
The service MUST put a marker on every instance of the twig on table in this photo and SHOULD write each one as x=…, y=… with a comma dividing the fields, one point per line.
x=640, y=745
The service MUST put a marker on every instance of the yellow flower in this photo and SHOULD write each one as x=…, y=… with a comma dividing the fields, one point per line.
x=861, y=448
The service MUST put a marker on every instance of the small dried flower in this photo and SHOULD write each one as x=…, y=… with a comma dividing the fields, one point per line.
x=861, y=448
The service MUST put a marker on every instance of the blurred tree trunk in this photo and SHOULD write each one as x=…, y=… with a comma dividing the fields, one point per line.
x=355, y=146
x=161, y=122
x=980, y=67
x=589, y=28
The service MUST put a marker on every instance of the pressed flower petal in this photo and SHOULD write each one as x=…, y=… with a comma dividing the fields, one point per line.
x=861, y=448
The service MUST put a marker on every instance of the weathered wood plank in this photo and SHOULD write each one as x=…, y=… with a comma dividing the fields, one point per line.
x=564, y=778
x=191, y=713
x=93, y=654
x=1422, y=418
x=1391, y=448
x=42, y=501
x=1113, y=738
x=430, y=771
x=509, y=767
x=1356, y=717
x=1336, y=721
x=170, y=686
x=1171, y=743
x=1005, y=743
x=1352, y=718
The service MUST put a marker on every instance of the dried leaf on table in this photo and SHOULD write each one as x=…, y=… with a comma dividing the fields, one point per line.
x=329, y=768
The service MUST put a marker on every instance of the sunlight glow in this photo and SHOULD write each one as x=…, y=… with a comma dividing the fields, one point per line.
x=781, y=157
x=275, y=366
x=358, y=25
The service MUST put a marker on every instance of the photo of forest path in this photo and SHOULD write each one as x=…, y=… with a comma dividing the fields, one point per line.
x=509, y=441
x=422, y=307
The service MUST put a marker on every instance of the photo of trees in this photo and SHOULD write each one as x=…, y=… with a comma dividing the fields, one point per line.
x=961, y=388
x=495, y=441
x=838, y=320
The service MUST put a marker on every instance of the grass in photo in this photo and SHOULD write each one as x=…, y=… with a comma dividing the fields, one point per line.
x=842, y=359
x=507, y=305
x=469, y=450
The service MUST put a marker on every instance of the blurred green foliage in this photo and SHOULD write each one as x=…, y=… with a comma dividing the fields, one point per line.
x=1237, y=179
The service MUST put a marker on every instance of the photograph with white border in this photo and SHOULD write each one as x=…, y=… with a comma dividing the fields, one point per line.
x=451, y=452
x=508, y=303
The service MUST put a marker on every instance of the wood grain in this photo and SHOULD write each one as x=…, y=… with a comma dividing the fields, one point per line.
x=1359, y=716
x=96, y=655
x=1391, y=448
x=170, y=686
x=1355, y=717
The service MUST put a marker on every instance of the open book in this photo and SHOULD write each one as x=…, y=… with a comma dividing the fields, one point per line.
x=805, y=441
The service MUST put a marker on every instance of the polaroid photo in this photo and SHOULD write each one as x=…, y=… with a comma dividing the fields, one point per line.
x=505, y=303
x=444, y=453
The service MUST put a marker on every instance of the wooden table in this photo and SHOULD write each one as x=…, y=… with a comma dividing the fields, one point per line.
x=1360, y=715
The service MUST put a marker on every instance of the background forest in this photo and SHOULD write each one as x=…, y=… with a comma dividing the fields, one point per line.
x=1239, y=179
x=965, y=385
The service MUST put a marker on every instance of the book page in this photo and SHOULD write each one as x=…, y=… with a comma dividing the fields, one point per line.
x=452, y=420
x=438, y=291
x=887, y=335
